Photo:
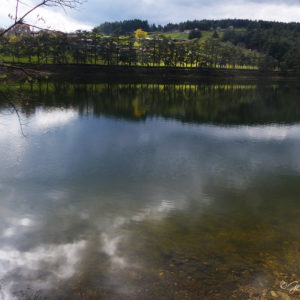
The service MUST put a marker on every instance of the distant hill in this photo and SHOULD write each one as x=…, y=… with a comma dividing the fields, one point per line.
x=278, y=41
x=131, y=25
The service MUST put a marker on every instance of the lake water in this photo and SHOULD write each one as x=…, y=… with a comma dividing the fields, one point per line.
x=149, y=191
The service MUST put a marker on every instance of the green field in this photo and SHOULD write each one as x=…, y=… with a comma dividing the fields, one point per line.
x=177, y=35
x=184, y=36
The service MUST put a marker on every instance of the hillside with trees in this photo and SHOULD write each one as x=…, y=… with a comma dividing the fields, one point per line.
x=278, y=42
x=122, y=27
x=230, y=44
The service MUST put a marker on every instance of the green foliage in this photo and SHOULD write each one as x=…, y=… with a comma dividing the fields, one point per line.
x=202, y=25
x=218, y=103
x=158, y=50
x=195, y=34
x=276, y=40
x=279, y=43
x=266, y=63
x=124, y=27
x=215, y=35
x=176, y=35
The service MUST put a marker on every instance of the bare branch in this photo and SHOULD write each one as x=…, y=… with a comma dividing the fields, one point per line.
x=62, y=3
x=15, y=110
x=17, y=8
x=19, y=117
x=28, y=73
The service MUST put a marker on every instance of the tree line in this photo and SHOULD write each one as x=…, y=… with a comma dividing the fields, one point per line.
x=227, y=23
x=124, y=27
x=93, y=48
x=278, y=42
x=130, y=25
x=281, y=46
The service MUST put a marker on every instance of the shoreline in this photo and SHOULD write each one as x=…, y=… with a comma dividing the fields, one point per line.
x=94, y=73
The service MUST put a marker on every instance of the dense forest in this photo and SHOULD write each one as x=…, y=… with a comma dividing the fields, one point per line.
x=159, y=51
x=278, y=41
x=235, y=44
x=124, y=27
x=131, y=25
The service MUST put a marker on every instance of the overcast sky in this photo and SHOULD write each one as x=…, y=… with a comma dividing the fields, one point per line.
x=94, y=12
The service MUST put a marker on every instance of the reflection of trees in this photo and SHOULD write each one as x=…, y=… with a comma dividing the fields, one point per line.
x=206, y=103
x=12, y=105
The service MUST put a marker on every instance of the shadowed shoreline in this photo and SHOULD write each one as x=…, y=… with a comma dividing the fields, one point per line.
x=94, y=73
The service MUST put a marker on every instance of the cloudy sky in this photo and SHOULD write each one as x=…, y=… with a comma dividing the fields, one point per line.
x=94, y=12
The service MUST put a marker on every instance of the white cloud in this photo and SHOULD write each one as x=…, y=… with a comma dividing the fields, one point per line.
x=54, y=19
x=259, y=11
x=94, y=12
x=164, y=11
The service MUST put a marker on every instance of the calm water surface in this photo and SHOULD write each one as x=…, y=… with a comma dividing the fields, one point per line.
x=149, y=191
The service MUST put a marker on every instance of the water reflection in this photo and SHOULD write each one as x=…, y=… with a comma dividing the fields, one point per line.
x=215, y=103
x=95, y=205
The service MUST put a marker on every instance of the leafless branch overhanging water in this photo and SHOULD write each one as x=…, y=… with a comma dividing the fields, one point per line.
x=15, y=110
x=19, y=118
x=18, y=20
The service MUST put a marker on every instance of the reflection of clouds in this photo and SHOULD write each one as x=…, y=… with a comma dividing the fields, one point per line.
x=9, y=126
x=265, y=132
x=62, y=259
x=115, y=238
x=129, y=167
x=110, y=247
x=25, y=222
x=269, y=132
x=111, y=239
x=156, y=212
x=15, y=225
x=56, y=195
x=54, y=118
x=13, y=145
x=43, y=119
x=144, y=138
x=8, y=232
